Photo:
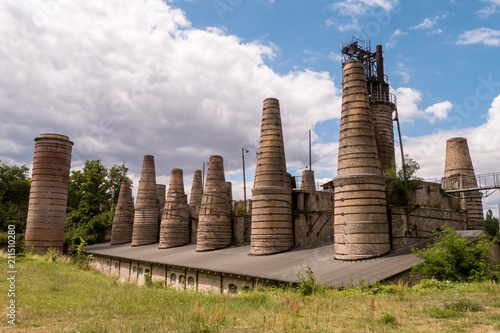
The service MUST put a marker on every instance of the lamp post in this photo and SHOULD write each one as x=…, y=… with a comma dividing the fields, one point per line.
x=243, y=152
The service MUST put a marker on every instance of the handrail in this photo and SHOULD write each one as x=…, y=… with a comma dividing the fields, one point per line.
x=379, y=96
x=461, y=183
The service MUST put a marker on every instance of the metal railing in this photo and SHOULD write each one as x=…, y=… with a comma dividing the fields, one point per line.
x=379, y=96
x=485, y=182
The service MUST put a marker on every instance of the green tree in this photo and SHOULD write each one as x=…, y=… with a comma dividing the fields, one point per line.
x=399, y=188
x=116, y=175
x=491, y=224
x=14, y=196
x=92, y=196
x=454, y=258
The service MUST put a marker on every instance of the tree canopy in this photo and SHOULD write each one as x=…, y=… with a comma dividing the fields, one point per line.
x=14, y=196
x=491, y=224
x=399, y=187
x=92, y=197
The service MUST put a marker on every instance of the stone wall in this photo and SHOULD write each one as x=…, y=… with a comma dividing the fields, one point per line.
x=313, y=217
x=241, y=222
x=433, y=210
x=182, y=278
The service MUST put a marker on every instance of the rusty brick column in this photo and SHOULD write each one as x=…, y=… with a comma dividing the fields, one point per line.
x=174, y=229
x=384, y=131
x=272, y=230
x=214, y=225
x=123, y=220
x=196, y=194
x=195, y=204
x=145, y=230
x=308, y=183
x=48, y=192
x=161, y=192
x=361, y=229
x=459, y=174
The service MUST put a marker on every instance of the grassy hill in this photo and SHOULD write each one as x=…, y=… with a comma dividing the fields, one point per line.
x=57, y=296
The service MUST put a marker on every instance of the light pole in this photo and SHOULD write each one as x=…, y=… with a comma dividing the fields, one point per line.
x=243, y=152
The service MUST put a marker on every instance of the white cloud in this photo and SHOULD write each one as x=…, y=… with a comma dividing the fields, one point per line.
x=395, y=36
x=351, y=25
x=408, y=100
x=311, y=56
x=329, y=22
x=438, y=111
x=337, y=57
x=484, y=36
x=353, y=9
x=402, y=72
x=429, y=23
x=125, y=81
x=361, y=7
x=492, y=7
x=407, y=103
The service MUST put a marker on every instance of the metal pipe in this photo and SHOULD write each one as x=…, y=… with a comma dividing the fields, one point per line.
x=380, y=63
x=403, y=164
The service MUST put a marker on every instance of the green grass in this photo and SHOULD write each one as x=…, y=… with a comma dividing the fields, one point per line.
x=60, y=297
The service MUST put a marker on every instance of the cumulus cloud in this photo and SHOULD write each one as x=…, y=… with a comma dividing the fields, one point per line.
x=438, y=111
x=484, y=36
x=408, y=100
x=125, y=81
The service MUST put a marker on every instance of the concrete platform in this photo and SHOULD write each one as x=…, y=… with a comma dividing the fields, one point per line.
x=278, y=267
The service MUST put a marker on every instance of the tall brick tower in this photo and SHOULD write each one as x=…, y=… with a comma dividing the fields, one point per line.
x=272, y=228
x=214, y=226
x=145, y=230
x=459, y=174
x=174, y=229
x=361, y=228
x=48, y=192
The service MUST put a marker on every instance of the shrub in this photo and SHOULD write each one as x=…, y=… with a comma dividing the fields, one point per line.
x=80, y=258
x=454, y=258
x=388, y=319
x=307, y=283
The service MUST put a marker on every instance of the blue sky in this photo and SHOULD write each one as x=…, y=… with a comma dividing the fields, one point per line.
x=185, y=79
x=424, y=41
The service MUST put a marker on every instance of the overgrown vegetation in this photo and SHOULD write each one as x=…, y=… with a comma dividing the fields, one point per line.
x=399, y=188
x=491, y=224
x=64, y=298
x=92, y=197
x=14, y=196
x=455, y=258
x=307, y=282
